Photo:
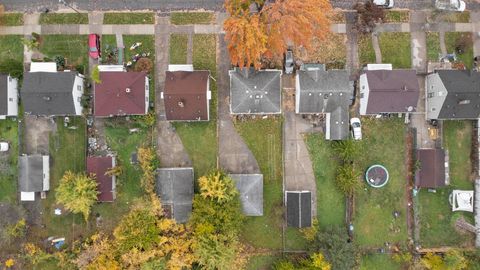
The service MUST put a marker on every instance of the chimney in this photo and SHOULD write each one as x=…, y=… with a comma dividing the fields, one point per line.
x=128, y=90
x=181, y=104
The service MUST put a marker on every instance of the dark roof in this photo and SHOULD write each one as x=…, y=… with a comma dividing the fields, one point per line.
x=339, y=124
x=175, y=189
x=250, y=187
x=99, y=166
x=30, y=173
x=392, y=91
x=3, y=94
x=255, y=92
x=113, y=98
x=431, y=173
x=185, y=95
x=461, y=85
x=299, y=208
x=48, y=93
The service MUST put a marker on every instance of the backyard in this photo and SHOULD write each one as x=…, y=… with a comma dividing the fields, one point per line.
x=8, y=161
x=200, y=138
x=383, y=143
x=436, y=217
x=395, y=48
x=379, y=261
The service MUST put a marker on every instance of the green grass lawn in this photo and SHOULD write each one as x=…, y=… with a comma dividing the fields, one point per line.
x=67, y=152
x=178, y=48
x=330, y=202
x=180, y=18
x=128, y=18
x=148, y=46
x=73, y=47
x=261, y=262
x=11, y=19
x=64, y=18
x=454, y=39
x=200, y=138
x=397, y=16
x=436, y=216
x=383, y=143
x=264, y=138
x=433, y=46
x=452, y=17
x=366, y=53
x=9, y=171
x=395, y=48
x=11, y=47
x=379, y=262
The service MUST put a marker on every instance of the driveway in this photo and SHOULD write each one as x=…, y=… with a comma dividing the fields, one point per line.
x=37, y=133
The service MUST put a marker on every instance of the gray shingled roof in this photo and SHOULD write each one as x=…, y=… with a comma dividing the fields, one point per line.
x=48, y=93
x=30, y=173
x=255, y=92
x=3, y=94
x=175, y=188
x=250, y=187
x=299, y=208
x=461, y=85
x=329, y=91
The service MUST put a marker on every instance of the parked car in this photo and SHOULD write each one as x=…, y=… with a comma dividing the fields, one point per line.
x=450, y=5
x=3, y=146
x=289, y=62
x=94, y=46
x=356, y=128
x=384, y=3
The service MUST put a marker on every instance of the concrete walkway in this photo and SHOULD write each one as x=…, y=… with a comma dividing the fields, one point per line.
x=234, y=155
x=376, y=48
x=418, y=41
x=475, y=19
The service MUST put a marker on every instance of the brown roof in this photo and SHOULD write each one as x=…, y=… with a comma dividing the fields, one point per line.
x=111, y=96
x=185, y=95
x=392, y=91
x=98, y=166
x=431, y=173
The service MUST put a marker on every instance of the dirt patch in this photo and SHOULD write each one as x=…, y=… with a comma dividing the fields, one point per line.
x=37, y=134
x=10, y=214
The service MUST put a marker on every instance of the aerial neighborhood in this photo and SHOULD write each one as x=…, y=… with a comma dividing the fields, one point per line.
x=240, y=134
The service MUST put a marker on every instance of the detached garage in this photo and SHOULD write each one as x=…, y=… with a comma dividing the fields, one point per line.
x=299, y=208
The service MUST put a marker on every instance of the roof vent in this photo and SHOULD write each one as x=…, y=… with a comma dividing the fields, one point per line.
x=128, y=90
x=181, y=104
x=47, y=98
x=405, y=88
x=464, y=102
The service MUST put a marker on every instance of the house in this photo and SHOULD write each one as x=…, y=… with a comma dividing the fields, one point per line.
x=388, y=91
x=48, y=92
x=433, y=171
x=318, y=91
x=250, y=187
x=255, y=91
x=187, y=94
x=174, y=186
x=34, y=176
x=120, y=93
x=8, y=96
x=453, y=94
x=299, y=208
x=98, y=166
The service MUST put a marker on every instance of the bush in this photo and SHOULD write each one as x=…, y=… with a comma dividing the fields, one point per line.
x=368, y=15
x=96, y=75
x=80, y=69
x=463, y=43
x=60, y=61
x=12, y=67
x=144, y=64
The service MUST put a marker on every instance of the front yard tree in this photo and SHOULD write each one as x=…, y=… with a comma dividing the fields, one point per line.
x=217, y=186
x=77, y=192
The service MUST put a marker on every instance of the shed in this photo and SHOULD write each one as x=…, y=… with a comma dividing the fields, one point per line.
x=98, y=166
x=34, y=176
x=250, y=187
x=175, y=189
x=433, y=168
x=299, y=208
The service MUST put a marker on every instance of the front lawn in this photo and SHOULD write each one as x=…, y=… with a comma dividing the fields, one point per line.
x=180, y=18
x=11, y=47
x=178, y=49
x=378, y=261
x=331, y=52
x=330, y=201
x=200, y=138
x=383, y=143
x=366, y=54
x=128, y=18
x=461, y=44
x=264, y=138
x=8, y=161
x=433, y=46
x=64, y=18
x=73, y=47
x=11, y=19
x=395, y=48
x=436, y=216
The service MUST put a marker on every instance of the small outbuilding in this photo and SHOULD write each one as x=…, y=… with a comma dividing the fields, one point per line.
x=98, y=166
x=433, y=171
x=8, y=96
x=250, y=187
x=175, y=188
x=461, y=200
x=34, y=176
x=299, y=208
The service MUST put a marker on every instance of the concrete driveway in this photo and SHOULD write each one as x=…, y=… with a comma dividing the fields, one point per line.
x=37, y=133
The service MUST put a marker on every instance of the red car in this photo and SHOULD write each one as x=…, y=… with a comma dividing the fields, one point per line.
x=94, y=46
